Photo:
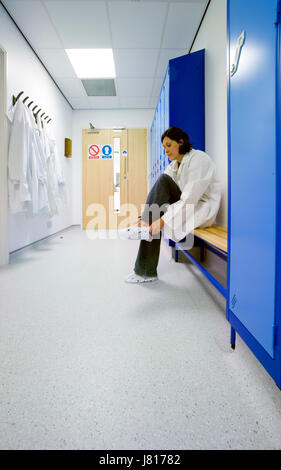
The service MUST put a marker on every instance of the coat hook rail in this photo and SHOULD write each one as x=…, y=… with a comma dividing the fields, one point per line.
x=16, y=98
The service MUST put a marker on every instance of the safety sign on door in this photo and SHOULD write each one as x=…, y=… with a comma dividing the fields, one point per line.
x=93, y=152
x=107, y=151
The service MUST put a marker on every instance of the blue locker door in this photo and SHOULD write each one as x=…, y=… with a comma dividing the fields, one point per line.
x=187, y=96
x=166, y=109
x=252, y=113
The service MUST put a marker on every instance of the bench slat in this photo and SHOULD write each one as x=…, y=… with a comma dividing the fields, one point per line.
x=221, y=230
x=215, y=235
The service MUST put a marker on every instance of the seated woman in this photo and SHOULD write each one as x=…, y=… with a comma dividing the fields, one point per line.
x=186, y=196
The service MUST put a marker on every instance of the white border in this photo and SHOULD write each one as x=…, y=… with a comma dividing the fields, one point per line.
x=4, y=252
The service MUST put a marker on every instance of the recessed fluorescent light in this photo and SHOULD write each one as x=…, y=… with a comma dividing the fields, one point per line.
x=92, y=63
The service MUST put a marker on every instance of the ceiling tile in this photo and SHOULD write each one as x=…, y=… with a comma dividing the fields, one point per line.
x=144, y=34
x=164, y=57
x=133, y=63
x=80, y=24
x=137, y=24
x=106, y=102
x=57, y=63
x=139, y=87
x=157, y=84
x=153, y=102
x=80, y=103
x=32, y=19
x=71, y=87
x=134, y=102
x=182, y=23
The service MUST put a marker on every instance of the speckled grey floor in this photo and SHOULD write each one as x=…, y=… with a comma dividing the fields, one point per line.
x=89, y=362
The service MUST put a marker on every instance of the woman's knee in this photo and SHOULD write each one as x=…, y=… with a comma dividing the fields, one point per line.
x=164, y=179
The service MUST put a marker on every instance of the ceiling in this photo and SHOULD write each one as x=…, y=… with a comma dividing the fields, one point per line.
x=143, y=34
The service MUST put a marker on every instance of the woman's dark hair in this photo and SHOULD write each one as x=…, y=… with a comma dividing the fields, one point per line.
x=177, y=134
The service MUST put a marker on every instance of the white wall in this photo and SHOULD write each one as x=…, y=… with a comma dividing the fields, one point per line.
x=101, y=119
x=213, y=38
x=25, y=73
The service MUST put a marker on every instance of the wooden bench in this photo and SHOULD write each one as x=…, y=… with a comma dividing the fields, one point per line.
x=213, y=238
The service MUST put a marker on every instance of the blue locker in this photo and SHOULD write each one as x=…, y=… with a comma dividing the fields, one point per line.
x=253, y=304
x=181, y=103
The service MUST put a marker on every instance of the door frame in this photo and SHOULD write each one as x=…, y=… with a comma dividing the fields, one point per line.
x=4, y=251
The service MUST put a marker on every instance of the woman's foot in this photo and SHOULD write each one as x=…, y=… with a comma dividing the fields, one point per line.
x=134, y=278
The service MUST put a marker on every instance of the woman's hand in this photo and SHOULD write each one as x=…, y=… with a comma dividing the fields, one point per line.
x=156, y=227
x=138, y=222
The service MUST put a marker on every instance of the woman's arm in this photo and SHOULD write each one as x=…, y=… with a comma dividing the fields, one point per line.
x=156, y=226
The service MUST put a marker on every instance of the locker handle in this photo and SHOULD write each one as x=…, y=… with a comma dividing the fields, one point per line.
x=239, y=45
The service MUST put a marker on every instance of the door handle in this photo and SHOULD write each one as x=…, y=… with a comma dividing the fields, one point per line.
x=239, y=45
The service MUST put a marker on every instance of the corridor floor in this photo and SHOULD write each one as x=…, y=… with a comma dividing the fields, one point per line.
x=89, y=362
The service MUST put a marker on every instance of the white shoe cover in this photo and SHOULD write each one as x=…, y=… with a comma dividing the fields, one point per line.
x=135, y=233
x=134, y=278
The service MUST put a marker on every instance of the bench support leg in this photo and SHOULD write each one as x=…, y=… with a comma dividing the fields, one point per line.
x=176, y=255
x=232, y=338
x=202, y=253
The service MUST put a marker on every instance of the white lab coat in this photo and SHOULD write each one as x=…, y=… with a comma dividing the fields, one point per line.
x=34, y=175
x=200, y=198
x=56, y=182
x=51, y=179
x=19, y=169
x=40, y=202
x=60, y=180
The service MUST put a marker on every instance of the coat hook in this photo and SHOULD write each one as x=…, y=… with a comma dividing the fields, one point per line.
x=25, y=99
x=15, y=99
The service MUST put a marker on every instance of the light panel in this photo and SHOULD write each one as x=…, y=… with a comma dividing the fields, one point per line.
x=92, y=63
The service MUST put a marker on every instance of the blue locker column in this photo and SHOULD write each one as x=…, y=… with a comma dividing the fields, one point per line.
x=165, y=114
x=151, y=153
x=253, y=154
x=187, y=96
x=181, y=103
x=157, y=140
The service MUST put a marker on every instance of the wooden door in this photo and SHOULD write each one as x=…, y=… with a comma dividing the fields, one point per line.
x=114, y=177
x=137, y=168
